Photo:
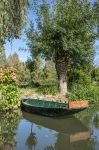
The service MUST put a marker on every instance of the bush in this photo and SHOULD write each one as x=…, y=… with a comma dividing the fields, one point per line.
x=7, y=75
x=1, y=104
x=76, y=75
x=10, y=96
x=47, y=90
x=84, y=92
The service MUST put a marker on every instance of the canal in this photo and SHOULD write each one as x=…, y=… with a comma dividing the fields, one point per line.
x=22, y=131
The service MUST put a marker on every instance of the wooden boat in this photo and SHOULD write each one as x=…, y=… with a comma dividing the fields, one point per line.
x=50, y=108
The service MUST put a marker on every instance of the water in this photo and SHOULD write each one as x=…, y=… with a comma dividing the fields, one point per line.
x=23, y=131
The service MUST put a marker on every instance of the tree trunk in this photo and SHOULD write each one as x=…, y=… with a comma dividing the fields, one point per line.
x=60, y=65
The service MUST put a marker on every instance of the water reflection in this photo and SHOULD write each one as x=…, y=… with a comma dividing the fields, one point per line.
x=8, y=126
x=96, y=120
x=24, y=131
x=65, y=131
x=31, y=140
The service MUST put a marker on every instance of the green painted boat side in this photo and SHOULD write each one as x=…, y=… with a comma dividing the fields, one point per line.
x=48, y=108
x=45, y=103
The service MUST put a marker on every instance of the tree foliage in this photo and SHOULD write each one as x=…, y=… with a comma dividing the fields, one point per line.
x=95, y=74
x=35, y=67
x=42, y=72
x=70, y=26
x=12, y=18
x=2, y=57
x=22, y=73
x=49, y=70
x=66, y=32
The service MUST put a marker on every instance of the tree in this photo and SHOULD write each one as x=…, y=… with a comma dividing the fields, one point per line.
x=95, y=74
x=66, y=32
x=35, y=67
x=12, y=18
x=2, y=57
x=22, y=72
x=49, y=70
x=41, y=70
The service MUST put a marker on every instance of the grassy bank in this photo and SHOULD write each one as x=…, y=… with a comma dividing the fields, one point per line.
x=88, y=92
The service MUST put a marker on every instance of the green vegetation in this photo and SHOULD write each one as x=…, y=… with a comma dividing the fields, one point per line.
x=1, y=105
x=2, y=57
x=61, y=46
x=12, y=18
x=8, y=126
x=22, y=72
x=41, y=71
x=47, y=89
x=95, y=74
x=9, y=97
x=65, y=33
x=84, y=92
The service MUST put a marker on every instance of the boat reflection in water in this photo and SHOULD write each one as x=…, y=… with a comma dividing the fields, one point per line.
x=62, y=133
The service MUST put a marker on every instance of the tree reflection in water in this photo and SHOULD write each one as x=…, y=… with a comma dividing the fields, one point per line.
x=8, y=126
x=49, y=148
x=31, y=140
x=96, y=120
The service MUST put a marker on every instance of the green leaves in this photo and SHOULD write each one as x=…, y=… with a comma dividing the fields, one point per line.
x=53, y=90
x=84, y=92
x=10, y=96
x=12, y=18
x=22, y=73
x=67, y=25
x=65, y=30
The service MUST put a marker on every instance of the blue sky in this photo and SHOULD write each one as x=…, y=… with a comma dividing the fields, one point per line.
x=16, y=45
x=21, y=43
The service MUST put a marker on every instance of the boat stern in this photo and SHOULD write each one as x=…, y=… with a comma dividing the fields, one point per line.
x=78, y=104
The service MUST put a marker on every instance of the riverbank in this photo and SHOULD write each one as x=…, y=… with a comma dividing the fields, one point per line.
x=32, y=93
x=78, y=92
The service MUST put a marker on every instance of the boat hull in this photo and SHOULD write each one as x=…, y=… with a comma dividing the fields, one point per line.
x=50, y=111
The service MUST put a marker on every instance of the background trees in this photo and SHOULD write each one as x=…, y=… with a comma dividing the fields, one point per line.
x=2, y=58
x=42, y=72
x=22, y=72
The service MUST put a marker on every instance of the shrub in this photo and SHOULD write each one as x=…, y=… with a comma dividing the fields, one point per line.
x=7, y=75
x=1, y=104
x=8, y=89
x=76, y=75
x=47, y=90
x=10, y=96
x=84, y=92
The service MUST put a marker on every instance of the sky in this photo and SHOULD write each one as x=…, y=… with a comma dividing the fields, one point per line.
x=16, y=44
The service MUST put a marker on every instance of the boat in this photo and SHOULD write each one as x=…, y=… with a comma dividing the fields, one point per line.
x=51, y=108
